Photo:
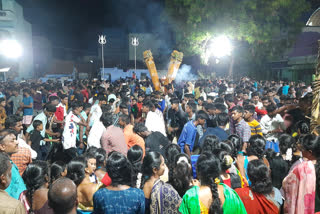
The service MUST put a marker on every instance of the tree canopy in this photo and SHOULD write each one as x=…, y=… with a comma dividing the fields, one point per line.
x=263, y=25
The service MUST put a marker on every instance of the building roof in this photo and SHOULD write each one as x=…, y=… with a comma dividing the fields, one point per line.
x=306, y=45
x=314, y=19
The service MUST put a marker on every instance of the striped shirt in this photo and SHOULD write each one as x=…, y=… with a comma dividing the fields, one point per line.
x=255, y=128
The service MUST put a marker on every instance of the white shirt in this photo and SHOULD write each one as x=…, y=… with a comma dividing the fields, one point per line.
x=23, y=143
x=267, y=124
x=96, y=113
x=259, y=105
x=69, y=136
x=95, y=134
x=155, y=122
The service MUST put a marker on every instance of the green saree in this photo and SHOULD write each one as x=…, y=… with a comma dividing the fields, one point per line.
x=191, y=205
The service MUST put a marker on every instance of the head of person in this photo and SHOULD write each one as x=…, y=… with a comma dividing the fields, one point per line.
x=57, y=170
x=249, y=111
x=236, y=144
x=14, y=122
x=210, y=143
x=64, y=99
x=135, y=154
x=54, y=100
x=62, y=196
x=153, y=165
x=201, y=117
x=5, y=171
x=76, y=170
x=15, y=91
x=256, y=146
x=191, y=107
x=259, y=175
x=255, y=97
x=225, y=159
x=219, y=108
x=237, y=113
x=210, y=99
x=175, y=104
x=35, y=176
x=141, y=130
x=222, y=119
x=119, y=169
x=265, y=101
x=37, y=125
x=102, y=99
x=310, y=146
x=107, y=119
x=200, y=101
x=147, y=106
x=229, y=99
x=86, y=107
x=101, y=157
x=26, y=92
x=271, y=109
x=211, y=109
x=124, y=120
x=141, y=97
x=287, y=146
x=302, y=127
x=182, y=174
x=91, y=163
x=8, y=141
x=208, y=171
x=2, y=102
x=77, y=107
x=124, y=108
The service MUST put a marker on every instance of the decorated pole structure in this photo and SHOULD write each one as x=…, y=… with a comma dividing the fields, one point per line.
x=315, y=110
x=148, y=59
x=102, y=41
x=175, y=62
x=135, y=43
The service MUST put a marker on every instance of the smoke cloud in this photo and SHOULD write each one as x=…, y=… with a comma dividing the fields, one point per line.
x=185, y=74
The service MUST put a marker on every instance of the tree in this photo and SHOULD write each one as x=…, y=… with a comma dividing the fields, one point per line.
x=265, y=27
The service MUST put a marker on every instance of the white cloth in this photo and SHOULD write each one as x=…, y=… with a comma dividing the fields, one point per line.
x=43, y=118
x=23, y=144
x=96, y=113
x=95, y=134
x=155, y=122
x=69, y=136
x=204, y=95
x=267, y=124
x=259, y=105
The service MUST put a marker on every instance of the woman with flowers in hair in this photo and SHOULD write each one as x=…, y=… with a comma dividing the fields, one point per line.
x=261, y=197
x=212, y=196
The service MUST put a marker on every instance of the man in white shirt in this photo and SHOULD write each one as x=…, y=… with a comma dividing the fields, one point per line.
x=272, y=125
x=69, y=136
x=154, y=120
x=96, y=111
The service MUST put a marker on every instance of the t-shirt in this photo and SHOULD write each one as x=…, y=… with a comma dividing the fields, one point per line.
x=69, y=136
x=16, y=100
x=27, y=101
x=96, y=113
x=188, y=136
x=35, y=138
x=255, y=128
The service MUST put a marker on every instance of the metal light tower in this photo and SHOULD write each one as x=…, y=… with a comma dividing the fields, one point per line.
x=135, y=43
x=102, y=41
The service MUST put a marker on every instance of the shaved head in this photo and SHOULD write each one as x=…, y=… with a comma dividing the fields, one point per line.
x=62, y=196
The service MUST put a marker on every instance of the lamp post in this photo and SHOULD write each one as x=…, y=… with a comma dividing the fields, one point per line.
x=102, y=41
x=135, y=43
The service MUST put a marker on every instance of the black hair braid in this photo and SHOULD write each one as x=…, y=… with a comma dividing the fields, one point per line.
x=215, y=207
x=29, y=195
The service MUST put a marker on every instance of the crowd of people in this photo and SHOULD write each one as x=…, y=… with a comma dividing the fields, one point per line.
x=205, y=146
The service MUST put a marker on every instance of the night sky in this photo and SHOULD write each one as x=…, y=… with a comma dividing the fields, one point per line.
x=76, y=23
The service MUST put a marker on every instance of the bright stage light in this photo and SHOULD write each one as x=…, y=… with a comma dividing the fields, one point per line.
x=10, y=48
x=220, y=47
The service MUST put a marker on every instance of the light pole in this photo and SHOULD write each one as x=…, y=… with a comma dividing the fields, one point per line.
x=135, y=43
x=102, y=41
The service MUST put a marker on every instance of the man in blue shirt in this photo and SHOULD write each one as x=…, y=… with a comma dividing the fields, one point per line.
x=219, y=131
x=188, y=135
x=27, y=105
x=9, y=145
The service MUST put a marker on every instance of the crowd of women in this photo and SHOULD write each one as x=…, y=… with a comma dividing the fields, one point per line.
x=208, y=146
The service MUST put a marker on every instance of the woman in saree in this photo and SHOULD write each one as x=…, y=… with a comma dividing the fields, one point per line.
x=160, y=197
x=212, y=196
x=261, y=197
x=301, y=187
